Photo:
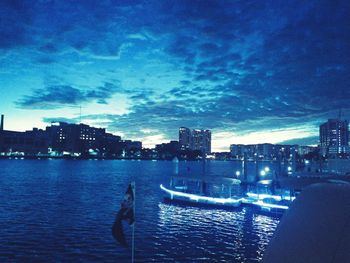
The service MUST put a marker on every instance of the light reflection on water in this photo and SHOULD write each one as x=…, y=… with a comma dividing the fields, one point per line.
x=59, y=211
x=214, y=234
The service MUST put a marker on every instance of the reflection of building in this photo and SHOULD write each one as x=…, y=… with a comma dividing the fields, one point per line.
x=195, y=140
x=334, y=137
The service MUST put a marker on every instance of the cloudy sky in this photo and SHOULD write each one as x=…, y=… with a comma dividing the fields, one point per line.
x=251, y=71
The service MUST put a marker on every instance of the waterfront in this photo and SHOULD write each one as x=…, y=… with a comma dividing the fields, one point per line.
x=63, y=210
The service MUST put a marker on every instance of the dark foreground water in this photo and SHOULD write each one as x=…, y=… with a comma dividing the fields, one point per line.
x=62, y=211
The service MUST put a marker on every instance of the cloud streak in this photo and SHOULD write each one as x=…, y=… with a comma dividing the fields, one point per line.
x=54, y=97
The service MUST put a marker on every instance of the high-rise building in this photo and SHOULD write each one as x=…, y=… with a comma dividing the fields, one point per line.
x=195, y=140
x=185, y=138
x=201, y=140
x=334, y=137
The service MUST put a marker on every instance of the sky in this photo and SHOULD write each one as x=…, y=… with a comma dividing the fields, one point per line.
x=250, y=71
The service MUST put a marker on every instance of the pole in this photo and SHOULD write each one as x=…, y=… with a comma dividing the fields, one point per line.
x=133, y=226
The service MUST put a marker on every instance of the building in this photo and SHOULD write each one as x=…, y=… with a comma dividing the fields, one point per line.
x=201, y=141
x=75, y=138
x=34, y=142
x=131, y=145
x=263, y=151
x=167, y=150
x=304, y=150
x=65, y=139
x=237, y=150
x=195, y=140
x=185, y=138
x=334, y=137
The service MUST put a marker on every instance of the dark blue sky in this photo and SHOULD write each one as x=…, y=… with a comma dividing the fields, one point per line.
x=252, y=71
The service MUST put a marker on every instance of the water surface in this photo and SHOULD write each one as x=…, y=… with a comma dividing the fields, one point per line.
x=63, y=210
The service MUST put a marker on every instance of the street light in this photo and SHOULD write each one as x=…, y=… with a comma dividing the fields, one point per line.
x=238, y=173
x=267, y=169
x=262, y=173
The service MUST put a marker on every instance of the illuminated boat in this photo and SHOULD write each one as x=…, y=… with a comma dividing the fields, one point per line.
x=265, y=200
x=208, y=191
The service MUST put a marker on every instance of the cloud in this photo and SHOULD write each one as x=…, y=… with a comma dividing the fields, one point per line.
x=231, y=66
x=312, y=140
x=59, y=96
x=16, y=16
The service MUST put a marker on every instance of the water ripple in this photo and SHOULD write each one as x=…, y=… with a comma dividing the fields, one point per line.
x=62, y=211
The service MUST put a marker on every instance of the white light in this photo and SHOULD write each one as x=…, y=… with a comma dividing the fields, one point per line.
x=307, y=161
x=289, y=169
x=203, y=198
x=275, y=197
x=262, y=204
x=262, y=173
x=267, y=169
x=238, y=173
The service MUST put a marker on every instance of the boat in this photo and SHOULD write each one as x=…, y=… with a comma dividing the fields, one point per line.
x=266, y=201
x=215, y=191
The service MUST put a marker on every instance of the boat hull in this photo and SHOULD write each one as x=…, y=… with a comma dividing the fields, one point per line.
x=199, y=200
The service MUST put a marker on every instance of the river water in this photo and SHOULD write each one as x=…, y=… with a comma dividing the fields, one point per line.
x=63, y=211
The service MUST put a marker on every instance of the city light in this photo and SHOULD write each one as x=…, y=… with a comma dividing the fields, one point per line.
x=267, y=169
x=238, y=173
x=262, y=173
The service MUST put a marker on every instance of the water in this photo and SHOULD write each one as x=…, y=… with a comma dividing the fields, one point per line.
x=62, y=210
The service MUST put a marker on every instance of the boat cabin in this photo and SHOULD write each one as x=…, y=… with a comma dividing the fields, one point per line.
x=219, y=187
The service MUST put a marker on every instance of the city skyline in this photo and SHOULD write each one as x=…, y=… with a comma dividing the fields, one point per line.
x=251, y=72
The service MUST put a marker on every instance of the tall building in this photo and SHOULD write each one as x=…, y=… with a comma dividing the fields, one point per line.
x=201, y=140
x=185, y=138
x=334, y=137
x=195, y=140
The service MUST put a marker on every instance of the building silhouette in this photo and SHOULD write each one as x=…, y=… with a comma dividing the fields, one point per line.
x=185, y=138
x=75, y=138
x=65, y=139
x=195, y=140
x=30, y=142
x=201, y=140
x=334, y=137
x=266, y=151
